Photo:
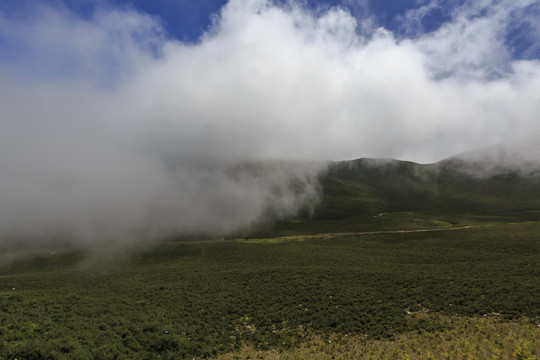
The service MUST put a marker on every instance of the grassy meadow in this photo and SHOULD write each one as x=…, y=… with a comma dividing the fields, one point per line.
x=399, y=261
x=448, y=294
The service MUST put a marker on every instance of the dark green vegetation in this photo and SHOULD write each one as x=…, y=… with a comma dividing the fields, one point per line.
x=375, y=194
x=370, y=187
x=214, y=297
x=199, y=299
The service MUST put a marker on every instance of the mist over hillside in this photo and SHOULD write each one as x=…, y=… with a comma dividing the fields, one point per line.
x=179, y=199
x=114, y=133
x=523, y=158
x=238, y=199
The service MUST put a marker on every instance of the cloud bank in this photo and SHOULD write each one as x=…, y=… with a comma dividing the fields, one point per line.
x=110, y=129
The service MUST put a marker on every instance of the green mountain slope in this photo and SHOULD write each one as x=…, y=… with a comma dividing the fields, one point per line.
x=367, y=187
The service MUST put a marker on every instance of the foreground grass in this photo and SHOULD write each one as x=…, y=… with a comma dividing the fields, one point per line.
x=467, y=338
x=391, y=295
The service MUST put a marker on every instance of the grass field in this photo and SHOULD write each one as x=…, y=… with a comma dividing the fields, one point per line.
x=450, y=294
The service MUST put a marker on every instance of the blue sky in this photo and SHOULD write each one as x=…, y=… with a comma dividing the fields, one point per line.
x=187, y=20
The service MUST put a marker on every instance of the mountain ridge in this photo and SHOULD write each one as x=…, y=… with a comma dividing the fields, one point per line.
x=459, y=184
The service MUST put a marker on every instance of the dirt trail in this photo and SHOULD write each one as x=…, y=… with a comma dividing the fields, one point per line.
x=322, y=235
x=331, y=234
x=404, y=231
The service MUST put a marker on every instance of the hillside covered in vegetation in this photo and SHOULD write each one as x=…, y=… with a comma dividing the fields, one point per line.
x=372, y=186
x=399, y=261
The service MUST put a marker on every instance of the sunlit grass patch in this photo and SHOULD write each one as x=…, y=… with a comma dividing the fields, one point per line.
x=465, y=338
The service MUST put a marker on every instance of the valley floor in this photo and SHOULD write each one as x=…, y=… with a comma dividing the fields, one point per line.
x=469, y=293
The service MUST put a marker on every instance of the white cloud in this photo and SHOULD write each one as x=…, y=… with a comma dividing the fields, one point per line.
x=151, y=148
